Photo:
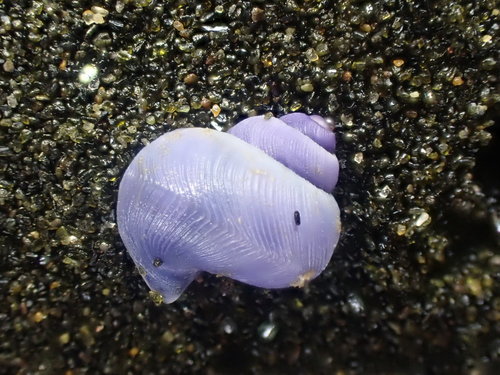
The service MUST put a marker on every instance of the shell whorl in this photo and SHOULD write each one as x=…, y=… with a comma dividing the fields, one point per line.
x=298, y=142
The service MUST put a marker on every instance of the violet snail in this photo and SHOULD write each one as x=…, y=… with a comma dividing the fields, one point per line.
x=253, y=204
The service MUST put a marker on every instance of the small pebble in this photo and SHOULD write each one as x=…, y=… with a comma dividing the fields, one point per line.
x=8, y=66
x=258, y=14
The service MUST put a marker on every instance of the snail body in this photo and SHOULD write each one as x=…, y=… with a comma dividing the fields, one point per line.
x=200, y=200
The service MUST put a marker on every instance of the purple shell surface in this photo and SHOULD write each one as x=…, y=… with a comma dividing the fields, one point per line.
x=287, y=144
x=315, y=127
x=200, y=200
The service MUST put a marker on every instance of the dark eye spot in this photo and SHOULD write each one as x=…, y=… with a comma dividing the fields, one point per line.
x=157, y=262
x=296, y=216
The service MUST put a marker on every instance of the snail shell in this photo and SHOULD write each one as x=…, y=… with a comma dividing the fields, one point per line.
x=200, y=200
